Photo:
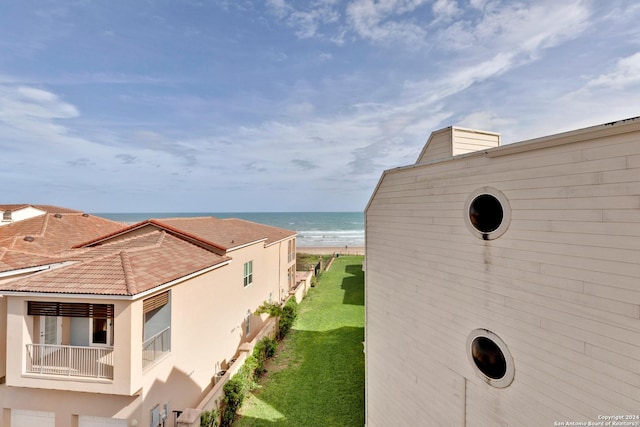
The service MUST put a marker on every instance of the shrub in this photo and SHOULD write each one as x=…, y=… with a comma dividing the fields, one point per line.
x=209, y=418
x=244, y=380
x=264, y=349
x=273, y=310
x=234, y=391
x=287, y=317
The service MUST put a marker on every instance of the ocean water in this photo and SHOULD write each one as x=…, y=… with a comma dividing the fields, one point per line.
x=338, y=229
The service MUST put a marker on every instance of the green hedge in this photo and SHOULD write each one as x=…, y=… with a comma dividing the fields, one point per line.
x=287, y=317
x=243, y=381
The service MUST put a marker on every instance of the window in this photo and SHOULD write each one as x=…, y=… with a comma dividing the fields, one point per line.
x=487, y=213
x=248, y=273
x=490, y=358
x=291, y=250
x=101, y=331
x=157, y=327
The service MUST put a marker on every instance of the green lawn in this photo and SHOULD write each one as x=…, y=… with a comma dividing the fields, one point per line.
x=317, y=376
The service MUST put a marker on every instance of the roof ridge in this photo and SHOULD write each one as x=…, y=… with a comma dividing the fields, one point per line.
x=160, y=241
x=175, y=230
x=183, y=218
x=44, y=224
x=129, y=277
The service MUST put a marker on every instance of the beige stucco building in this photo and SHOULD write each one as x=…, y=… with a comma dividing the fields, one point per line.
x=503, y=282
x=125, y=327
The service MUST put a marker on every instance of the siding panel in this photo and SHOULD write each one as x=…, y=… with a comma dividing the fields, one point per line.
x=560, y=287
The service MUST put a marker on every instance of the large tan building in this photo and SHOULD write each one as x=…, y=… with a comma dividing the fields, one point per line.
x=503, y=282
x=125, y=327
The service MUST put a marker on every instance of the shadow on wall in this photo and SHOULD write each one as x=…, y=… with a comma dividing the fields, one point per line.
x=325, y=388
x=179, y=391
x=353, y=285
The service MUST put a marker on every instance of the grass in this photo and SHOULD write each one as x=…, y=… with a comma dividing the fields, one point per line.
x=317, y=376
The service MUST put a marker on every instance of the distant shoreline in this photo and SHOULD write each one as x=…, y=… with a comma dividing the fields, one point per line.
x=330, y=250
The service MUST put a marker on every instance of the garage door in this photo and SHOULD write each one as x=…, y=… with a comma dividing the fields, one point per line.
x=24, y=418
x=86, y=421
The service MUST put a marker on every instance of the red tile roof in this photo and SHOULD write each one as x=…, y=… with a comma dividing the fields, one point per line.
x=125, y=267
x=119, y=260
x=228, y=232
x=224, y=234
x=14, y=260
x=46, y=208
x=54, y=232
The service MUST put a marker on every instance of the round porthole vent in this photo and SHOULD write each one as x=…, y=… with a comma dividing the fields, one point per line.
x=490, y=358
x=487, y=213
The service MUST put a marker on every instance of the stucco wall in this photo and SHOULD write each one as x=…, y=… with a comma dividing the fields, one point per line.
x=559, y=287
x=208, y=315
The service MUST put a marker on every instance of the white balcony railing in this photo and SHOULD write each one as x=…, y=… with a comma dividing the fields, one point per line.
x=69, y=360
x=156, y=346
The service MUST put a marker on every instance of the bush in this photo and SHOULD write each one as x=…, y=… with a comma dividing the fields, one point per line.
x=243, y=381
x=273, y=310
x=287, y=317
x=264, y=349
x=209, y=418
x=234, y=391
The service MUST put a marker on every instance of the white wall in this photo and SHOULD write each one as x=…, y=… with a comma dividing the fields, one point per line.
x=560, y=287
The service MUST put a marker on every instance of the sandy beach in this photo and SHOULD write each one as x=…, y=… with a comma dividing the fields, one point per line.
x=328, y=250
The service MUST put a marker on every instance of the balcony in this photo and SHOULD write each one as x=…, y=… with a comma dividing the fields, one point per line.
x=70, y=361
x=156, y=347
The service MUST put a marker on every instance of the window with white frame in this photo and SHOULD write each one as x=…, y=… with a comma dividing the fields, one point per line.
x=248, y=273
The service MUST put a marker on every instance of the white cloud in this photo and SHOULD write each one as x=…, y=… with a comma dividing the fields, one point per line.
x=445, y=9
x=627, y=72
x=22, y=102
x=485, y=120
x=374, y=20
x=305, y=22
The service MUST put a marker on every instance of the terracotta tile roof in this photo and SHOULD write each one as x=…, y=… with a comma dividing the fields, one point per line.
x=14, y=260
x=227, y=233
x=124, y=267
x=46, y=208
x=55, y=232
x=224, y=234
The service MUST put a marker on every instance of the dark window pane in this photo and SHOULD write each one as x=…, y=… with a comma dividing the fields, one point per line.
x=488, y=358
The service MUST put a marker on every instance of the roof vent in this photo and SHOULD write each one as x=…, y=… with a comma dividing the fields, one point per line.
x=58, y=215
x=28, y=239
x=85, y=215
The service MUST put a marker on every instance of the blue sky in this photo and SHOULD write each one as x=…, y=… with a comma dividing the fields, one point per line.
x=281, y=105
